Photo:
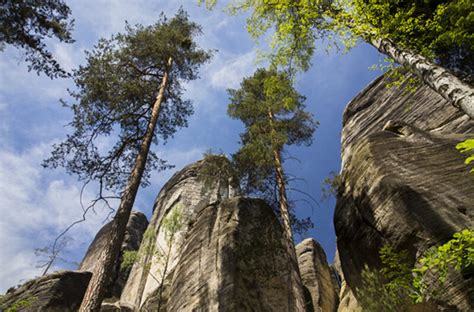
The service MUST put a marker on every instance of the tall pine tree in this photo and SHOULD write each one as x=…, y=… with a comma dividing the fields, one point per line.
x=274, y=117
x=130, y=89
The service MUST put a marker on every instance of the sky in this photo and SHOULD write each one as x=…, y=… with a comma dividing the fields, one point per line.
x=36, y=203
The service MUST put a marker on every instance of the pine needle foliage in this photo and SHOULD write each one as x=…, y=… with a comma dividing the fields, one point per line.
x=274, y=117
x=116, y=89
x=25, y=24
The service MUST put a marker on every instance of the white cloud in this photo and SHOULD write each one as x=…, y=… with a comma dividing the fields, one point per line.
x=35, y=208
x=228, y=70
x=36, y=204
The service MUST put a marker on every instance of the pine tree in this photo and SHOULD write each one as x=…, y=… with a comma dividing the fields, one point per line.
x=273, y=114
x=130, y=89
x=299, y=23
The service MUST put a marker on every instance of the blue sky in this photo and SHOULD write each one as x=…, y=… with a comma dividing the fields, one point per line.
x=36, y=203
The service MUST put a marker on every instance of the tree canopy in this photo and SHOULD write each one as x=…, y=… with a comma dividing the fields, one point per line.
x=274, y=117
x=267, y=92
x=26, y=24
x=442, y=31
x=116, y=89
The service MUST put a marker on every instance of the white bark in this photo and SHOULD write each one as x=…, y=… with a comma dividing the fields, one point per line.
x=460, y=94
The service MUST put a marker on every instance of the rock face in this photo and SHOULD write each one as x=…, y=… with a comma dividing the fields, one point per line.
x=347, y=300
x=184, y=194
x=59, y=291
x=227, y=254
x=233, y=260
x=317, y=276
x=136, y=227
x=403, y=182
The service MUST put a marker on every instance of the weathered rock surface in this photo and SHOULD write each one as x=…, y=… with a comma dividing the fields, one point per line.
x=136, y=227
x=232, y=260
x=317, y=276
x=60, y=291
x=404, y=183
x=185, y=193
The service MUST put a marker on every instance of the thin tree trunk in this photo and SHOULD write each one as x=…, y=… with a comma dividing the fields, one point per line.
x=163, y=276
x=295, y=276
x=149, y=247
x=460, y=94
x=101, y=276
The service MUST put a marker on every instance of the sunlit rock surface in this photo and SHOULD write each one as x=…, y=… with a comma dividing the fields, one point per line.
x=403, y=182
x=316, y=276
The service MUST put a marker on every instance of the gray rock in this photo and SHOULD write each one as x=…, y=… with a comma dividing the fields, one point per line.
x=60, y=291
x=227, y=255
x=136, y=226
x=403, y=182
x=186, y=192
x=317, y=276
x=347, y=299
x=233, y=259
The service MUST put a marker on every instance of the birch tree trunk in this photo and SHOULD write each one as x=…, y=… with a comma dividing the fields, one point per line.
x=101, y=276
x=298, y=302
x=460, y=94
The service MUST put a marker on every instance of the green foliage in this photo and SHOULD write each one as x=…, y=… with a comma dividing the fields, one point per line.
x=398, y=76
x=297, y=24
x=467, y=146
x=330, y=186
x=128, y=259
x=149, y=251
x=216, y=169
x=274, y=117
x=273, y=114
x=18, y=305
x=398, y=284
x=173, y=223
x=25, y=24
x=442, y=31
x=116, y=90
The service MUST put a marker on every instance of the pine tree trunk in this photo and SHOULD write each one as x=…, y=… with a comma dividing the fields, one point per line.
x=298, y=301
x=295, y=276
x=101, y=276
x=460, y=94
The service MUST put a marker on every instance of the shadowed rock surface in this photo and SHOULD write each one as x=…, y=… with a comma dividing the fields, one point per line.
x=59, y=291
x=317, y=276
x=136, y=226
x=403, y=182
x=347, y=299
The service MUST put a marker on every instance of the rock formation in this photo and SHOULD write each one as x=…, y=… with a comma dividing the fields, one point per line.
x=403, y=182
x=226, y=256
x=209, y=249
x=136, y=226
x=317, y=276
x=57, y=292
